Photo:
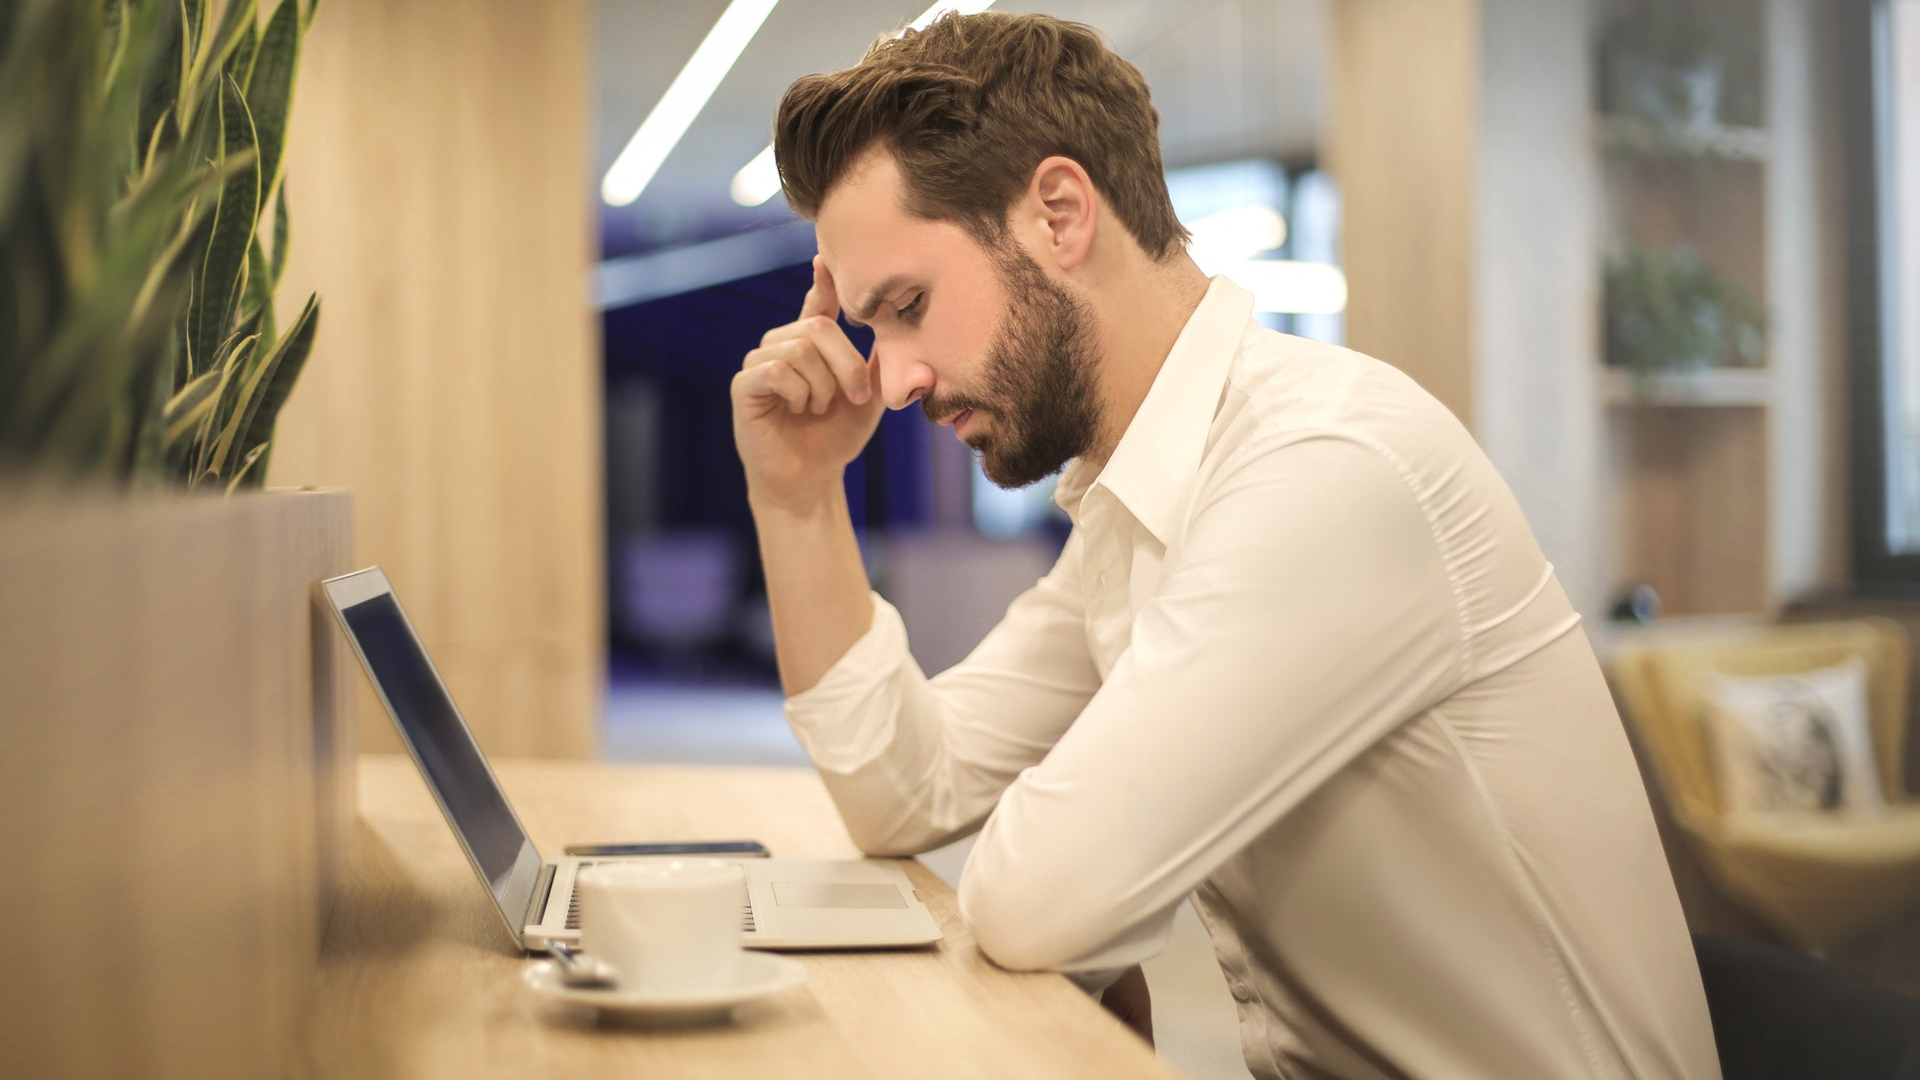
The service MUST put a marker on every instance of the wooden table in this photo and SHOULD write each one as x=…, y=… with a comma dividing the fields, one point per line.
x=419, y=979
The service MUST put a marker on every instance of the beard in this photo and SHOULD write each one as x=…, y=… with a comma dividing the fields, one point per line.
x=1039, y=378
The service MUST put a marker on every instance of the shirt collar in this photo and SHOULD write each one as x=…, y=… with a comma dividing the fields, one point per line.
x=1160, y=450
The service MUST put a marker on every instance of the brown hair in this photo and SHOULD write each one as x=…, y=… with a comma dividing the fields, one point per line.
x=969, y=107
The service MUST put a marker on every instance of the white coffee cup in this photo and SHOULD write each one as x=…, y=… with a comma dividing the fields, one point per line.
x=665, y=926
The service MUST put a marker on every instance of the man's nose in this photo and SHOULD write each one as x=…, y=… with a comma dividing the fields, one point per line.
x=903, y=380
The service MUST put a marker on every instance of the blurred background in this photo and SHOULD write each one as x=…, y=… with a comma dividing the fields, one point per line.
x=1661, y=256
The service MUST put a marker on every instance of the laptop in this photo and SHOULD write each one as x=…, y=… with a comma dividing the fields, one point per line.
x=791, y=903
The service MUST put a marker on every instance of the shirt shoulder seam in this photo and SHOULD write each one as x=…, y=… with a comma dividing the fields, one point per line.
x=1450, y=558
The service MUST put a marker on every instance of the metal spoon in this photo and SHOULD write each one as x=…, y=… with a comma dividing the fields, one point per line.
x=579, y=969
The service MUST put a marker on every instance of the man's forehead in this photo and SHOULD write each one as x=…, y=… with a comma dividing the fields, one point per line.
x=862, y=211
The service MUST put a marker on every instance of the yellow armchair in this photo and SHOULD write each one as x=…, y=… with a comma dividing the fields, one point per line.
x=1816, y=877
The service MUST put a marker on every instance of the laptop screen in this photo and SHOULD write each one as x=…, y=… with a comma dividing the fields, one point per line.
x=439, y=738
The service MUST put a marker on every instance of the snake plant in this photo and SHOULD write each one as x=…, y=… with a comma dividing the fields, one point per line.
x=141, y=145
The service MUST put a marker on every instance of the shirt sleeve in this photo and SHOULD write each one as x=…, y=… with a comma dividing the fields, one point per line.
x=1307, y=612
x=913, y=762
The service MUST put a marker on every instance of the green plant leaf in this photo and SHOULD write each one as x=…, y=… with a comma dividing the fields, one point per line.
x=270, y=91
x=240, y=64
x=246, y=469
x=281, y=234
x=221, y=457
x=193, y=27
x=222, y=274
x=186, y=410
x=259, y=297
x=200, y=142
x=148, y=464
x=114, y=24
x=232, y=366
x=287, y=361
x=158, y=125
x=210, y=63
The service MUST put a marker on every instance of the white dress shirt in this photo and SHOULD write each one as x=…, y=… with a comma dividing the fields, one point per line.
x=1302, y=660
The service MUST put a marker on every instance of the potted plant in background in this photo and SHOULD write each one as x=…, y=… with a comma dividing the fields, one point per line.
x=168, y=688
x=1669, y=311
x=1681, y=66
x=140, y=148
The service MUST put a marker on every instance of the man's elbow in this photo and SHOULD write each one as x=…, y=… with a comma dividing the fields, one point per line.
x=896, y=839
x=1025, y=929
x=881, y=845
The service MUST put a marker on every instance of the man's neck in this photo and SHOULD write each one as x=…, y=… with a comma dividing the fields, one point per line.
x=1141, y=306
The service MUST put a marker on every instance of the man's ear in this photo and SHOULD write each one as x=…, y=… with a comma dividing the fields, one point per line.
x=1064, y=208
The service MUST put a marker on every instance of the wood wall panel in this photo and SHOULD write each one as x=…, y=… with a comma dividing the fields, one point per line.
x=176, y=779
x=441, y=206
x=1693, y=494
x=1403, y=142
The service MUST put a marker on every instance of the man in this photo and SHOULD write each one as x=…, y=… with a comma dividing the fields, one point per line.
x=1300, y=657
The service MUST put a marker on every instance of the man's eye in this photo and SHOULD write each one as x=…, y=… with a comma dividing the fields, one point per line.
x=911, y=311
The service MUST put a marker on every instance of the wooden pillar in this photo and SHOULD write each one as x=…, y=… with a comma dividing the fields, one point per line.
x=441, y=206
x=1403, y=143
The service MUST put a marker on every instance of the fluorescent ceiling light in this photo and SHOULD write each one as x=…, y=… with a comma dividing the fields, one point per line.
x=1240, y=232
x=759, y=180
x=669, y=120
x=964, y=7
x=1297, y=288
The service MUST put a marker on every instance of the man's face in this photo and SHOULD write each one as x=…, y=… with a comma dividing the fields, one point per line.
x=983, y=339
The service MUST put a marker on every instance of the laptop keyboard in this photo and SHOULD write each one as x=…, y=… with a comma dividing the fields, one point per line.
x=573, y=909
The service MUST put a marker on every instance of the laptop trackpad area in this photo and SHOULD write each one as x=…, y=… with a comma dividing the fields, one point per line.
x=836, y=894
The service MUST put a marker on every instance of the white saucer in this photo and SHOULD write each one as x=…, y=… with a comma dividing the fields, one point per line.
x=760, y=974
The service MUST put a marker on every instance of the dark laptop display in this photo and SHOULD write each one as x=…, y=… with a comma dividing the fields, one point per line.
x=440, y=740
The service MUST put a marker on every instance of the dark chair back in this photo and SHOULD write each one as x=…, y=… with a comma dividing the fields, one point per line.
x=1781, y=1015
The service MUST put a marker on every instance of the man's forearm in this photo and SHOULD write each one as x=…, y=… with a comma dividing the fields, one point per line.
x=816, y=585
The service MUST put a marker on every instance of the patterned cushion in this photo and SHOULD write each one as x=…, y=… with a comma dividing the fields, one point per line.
x=1796, y=742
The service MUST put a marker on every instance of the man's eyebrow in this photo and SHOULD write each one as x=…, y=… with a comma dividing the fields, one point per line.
x=860, y=314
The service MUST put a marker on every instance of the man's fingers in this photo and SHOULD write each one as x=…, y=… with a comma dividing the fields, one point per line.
x=804, y=358
x=800, y=359
x=849, y=368
x=822, y=299
x=772, y=380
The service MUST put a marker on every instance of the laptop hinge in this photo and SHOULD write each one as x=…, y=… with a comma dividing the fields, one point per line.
x=537, y=903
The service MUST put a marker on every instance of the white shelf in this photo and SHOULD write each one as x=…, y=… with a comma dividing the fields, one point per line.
x=1712, y=388
x=1717, y=140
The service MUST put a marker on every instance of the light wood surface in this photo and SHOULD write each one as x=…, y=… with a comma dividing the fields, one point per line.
x=419, y=979
x=1692, y=488
x=175, y=757
x=440, y=205
x=1403, y=142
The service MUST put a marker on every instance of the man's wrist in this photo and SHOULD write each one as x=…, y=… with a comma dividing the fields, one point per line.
x=811, y=504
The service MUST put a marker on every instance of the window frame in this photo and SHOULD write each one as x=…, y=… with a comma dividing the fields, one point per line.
x=1865, y=92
